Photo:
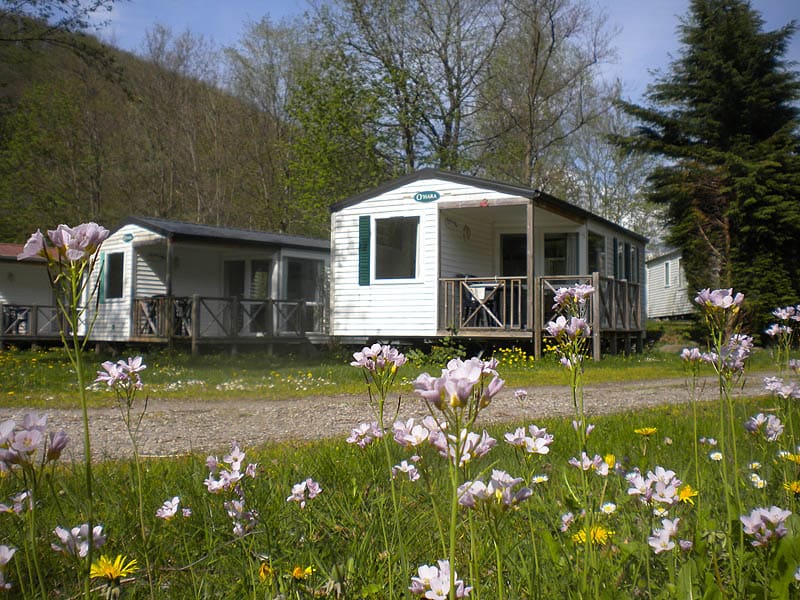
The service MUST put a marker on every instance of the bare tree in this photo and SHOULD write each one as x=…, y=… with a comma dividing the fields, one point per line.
x=541, y=85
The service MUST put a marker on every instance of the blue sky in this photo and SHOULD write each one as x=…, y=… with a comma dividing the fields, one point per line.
x=647, y=27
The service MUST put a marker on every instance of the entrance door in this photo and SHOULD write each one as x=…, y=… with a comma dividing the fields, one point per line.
x=514, y=254
x=512, y=303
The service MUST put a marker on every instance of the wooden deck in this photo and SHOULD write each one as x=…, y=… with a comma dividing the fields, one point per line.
x=501, y=308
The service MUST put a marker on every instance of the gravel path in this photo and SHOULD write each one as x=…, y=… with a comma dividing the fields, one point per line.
x=175, y=427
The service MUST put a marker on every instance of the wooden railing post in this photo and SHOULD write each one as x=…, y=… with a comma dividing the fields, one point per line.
x=596, y=308
x=195, y=333
x=538, y=293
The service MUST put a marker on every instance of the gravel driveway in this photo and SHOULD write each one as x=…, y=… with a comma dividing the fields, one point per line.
x=175, y=427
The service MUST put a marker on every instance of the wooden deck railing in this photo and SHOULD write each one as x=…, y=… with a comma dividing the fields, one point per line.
x=28, y=321
x=483, y=303
x=213, y=317
x=498, y=306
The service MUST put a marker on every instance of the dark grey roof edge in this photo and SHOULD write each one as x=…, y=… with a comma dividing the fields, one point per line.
x=182, y=230
x=667, y=253
x=505, y=188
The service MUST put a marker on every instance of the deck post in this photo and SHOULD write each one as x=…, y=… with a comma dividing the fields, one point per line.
x=169, y=320
x=302, y=320
x=33, y=323
x=537, y=325
x=195, y=333
x=235, y=308
x=530, y=281
x=596, y=316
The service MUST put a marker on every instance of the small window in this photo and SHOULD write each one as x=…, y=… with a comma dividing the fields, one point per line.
x=597, y=253
x=633, y=276
x=115, y=263
x=681, y=274
x=666, y=275
x=396, y=248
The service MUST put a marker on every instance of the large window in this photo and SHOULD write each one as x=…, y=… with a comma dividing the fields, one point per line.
x=396, y=248
x=114, y=267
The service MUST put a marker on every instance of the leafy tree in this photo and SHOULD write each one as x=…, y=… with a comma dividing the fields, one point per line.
x=724, y=122
x=335, y=151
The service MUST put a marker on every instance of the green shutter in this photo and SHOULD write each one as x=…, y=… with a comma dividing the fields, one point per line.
x=101, y=278
x=363, y=249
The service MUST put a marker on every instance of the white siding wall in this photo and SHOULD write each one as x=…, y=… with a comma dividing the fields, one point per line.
x=666, y=299
x=467, y=246
x=151, y=272
x=24, y=283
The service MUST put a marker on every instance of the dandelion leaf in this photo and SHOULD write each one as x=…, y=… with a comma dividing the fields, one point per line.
x=688, y=582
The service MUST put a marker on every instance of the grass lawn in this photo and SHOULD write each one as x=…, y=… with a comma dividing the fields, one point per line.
x=42, y=378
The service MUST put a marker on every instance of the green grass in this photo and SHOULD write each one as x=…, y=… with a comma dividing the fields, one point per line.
x=356, y=541
x=199, y=557
x=44, y=378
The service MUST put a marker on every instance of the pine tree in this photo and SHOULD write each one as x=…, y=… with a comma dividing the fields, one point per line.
x=724, y=122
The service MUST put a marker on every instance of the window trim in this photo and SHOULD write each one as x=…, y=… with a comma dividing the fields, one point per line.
x=107, y=275
x=374, y=252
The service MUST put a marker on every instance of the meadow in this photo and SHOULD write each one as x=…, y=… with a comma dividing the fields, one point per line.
x=692, y=501
x=335, y=519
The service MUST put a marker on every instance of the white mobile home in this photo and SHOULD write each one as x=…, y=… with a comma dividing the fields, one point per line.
x=162, y=280
x=667, y=291
x=434, y=253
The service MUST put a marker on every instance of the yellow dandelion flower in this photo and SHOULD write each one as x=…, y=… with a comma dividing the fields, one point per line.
x=266, y=572
x=300, y=573
x=686, y=493
x=795, y=458
x=112, y=571
x=645, y=431
x=598, y=534
x=792, y=486
x=610, y=460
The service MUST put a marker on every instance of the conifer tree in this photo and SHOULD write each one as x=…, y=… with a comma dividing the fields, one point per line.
x=724, y=122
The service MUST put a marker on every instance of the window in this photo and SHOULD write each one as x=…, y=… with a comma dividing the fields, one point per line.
x=681, y=274
x=597, y=253
x=114, y=266
x=396, y=248
x=633, y=253
x=666, y=274
x=304, y=279
x=560, y=253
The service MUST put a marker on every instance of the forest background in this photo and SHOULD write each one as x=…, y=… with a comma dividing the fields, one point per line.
x=300, y=114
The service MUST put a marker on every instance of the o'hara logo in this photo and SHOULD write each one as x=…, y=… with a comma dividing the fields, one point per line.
x=426, y=196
